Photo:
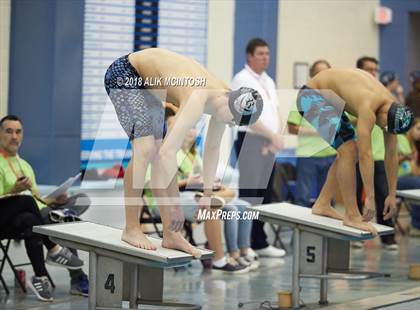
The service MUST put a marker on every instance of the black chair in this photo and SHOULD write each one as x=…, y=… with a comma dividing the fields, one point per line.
x=146, y=217
x=7, y=238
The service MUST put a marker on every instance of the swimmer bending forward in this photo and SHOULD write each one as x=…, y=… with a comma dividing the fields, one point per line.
x=141, y=114
x=323, y=102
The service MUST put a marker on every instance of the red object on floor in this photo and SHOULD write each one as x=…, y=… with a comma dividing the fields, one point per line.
x=117, y=171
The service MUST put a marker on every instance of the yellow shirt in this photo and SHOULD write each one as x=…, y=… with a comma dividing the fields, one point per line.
x=11, y=168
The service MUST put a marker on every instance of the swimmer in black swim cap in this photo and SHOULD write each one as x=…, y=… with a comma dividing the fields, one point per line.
x=325, y=102
x=400, y=119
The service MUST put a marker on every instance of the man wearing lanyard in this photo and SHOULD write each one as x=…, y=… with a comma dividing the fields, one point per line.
x=17, y=177
x=257, y=145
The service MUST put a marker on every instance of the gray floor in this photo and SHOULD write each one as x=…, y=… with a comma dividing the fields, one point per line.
x=219, y=291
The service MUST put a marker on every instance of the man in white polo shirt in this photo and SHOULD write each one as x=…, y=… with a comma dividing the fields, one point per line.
x=257, y=145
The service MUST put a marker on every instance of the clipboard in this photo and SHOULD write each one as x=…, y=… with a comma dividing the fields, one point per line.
x=63, y=188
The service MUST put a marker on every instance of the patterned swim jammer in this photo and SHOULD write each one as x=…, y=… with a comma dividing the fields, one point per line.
x=139, y=112
x=328, y=119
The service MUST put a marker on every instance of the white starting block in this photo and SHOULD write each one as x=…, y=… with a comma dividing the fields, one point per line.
x=321, y=245
x=119, y=272
x=411, y=195
x=412, y=199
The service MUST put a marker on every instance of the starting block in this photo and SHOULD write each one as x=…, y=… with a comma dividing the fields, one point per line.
x=118, y=272
x=321, y=246
x=411, y=195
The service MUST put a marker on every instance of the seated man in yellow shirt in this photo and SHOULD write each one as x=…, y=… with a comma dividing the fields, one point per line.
x=17, y=177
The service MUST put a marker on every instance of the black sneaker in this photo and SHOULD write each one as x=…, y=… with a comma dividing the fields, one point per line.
x=41, y=288
x=231, y=267
x=64, y=258
x=390, y=245
x=356, y=245
x=207, y=263
x=81, y=287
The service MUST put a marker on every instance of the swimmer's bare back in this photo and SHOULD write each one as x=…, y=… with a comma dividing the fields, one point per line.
x=171, y=69
x=357, y=88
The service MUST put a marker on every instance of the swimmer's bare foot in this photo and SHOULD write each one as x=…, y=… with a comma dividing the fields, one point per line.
x=327, y=211
x=174, y=240
x=357, y=222
x=137, y=238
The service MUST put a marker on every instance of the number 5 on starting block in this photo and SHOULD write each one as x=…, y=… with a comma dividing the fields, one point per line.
x=311, y=253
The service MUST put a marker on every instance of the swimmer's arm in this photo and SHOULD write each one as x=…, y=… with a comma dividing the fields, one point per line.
x=211, y=154
x=365, y=124
x=282, y=126
x=391, y=162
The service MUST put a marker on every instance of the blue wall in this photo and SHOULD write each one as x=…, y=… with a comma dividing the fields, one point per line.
x=45, y=84
x=255, y=19
x=394, y=38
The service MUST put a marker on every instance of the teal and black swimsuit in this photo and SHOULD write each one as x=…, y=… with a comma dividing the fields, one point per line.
x=327, y=118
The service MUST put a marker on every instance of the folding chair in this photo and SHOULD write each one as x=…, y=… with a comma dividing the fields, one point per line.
x=146, y=217
x=6, y=257
x=1, y=275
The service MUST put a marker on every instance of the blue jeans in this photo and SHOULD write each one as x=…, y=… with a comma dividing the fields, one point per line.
x=411, y=182
x=311, y=171
x=237, y=232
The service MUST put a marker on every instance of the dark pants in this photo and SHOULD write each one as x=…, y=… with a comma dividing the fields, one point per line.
x=255, y=179
x=18, y=215
x=381, y=192
x=311, y=172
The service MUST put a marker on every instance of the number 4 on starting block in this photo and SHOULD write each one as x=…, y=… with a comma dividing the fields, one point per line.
x=109, y=279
